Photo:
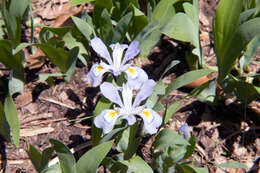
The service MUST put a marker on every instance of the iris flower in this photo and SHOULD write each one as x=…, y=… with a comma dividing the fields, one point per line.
x=127, y=107
x=117, y=64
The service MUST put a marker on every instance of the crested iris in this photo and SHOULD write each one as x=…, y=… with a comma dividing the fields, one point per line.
x=117, y=64
x=127, y=107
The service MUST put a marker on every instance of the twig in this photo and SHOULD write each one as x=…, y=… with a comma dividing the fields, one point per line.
x=34, y=132
x=36, y=117
x=57, y=102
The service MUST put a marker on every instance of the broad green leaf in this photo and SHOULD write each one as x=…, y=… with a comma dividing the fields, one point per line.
x=79, y=2
x=246, y=15
x=89, y=162
x=205, y=92
x=225, y=25
x=244, y=34
x=172, y=110
x=83, y=27
x=71, y=42
x=102, y=104
x=18, y=7
x=35, y=157
x=159, y=89
x=128, y=143
x=4, y=126
x=118, y=34
x=58, y=56
x=250, y=51
x=46, y=156
x=8, y=59
x=139, y=22
x=187, y=78
x=181, y=27
x=44, y=76
x=167, y=138
x=21, y=47
x=66, y=158
x=53, y=169
x=162, y=8
x=199, y=170
x=11, y=116
x=231, y=164
x=137, y=165
x=15, y=84
x=100, y=6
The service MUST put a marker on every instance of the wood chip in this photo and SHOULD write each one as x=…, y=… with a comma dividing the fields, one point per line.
x=23, y=99
x=57, y=102
x=34, y=132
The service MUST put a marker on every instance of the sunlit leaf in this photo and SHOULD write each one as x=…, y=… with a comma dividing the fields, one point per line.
x=66, y=158
x=11, y=116
x=89, y=162
x=78, y=2
x=167, y=138
x=137, y=165
x=231, y=164
x=35, y=157
x=172, y=110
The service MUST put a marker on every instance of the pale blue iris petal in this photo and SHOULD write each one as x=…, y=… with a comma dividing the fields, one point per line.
x=132, y=51
x=130, y=119
x=145, y=91
x=184, y=129
x=94, y=79
x=136, y=83
x=152, y=125
x=111, y=93
x=100, y=121
x=99, y=47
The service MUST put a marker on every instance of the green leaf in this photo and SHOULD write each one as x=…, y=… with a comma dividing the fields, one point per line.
x=112, y=133
x=162, y=139
x=187, y=78
x=199, y=170
x=18, y=7
x=53, y=169
x=191, y=147
x=46, y=156
x=71, y=43
x=102, y=104
x=100, y=7
x=66, y=158
x=35, y=157
x=205, y=92
x=181, y=27
x=15, y=84
x=250, y=51
x=79, y=2
x=4, y=126
x=58, y=56
x=83, y=27
x=118, y=34
x=137, y=165
x=173, y=63
x=8, y=59
x=231, y=164
x=44, y=76
x=225, y=25
x=11, y=116
x=89, y=162
x=172, y=110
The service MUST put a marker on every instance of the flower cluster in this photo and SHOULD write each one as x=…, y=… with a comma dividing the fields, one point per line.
x=126, y=106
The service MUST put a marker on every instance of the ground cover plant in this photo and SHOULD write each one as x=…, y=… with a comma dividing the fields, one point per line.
x=131, y=106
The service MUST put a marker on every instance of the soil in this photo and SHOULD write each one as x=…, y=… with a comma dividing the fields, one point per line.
x=229, y=132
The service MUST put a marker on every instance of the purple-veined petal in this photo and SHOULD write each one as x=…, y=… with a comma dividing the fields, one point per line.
x=136, y=77
x=99, y=47
x=106, y=120
x=132, y=51
x=152, y=120
x=130, y=119
x=184, y=129
x=111, y=93
x=145, y=91
x=95, y=75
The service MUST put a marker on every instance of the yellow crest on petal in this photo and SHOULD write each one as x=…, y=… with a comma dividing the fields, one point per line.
x=146, y=113
x=132, y=71
x=112, y=114
x=98, y=70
